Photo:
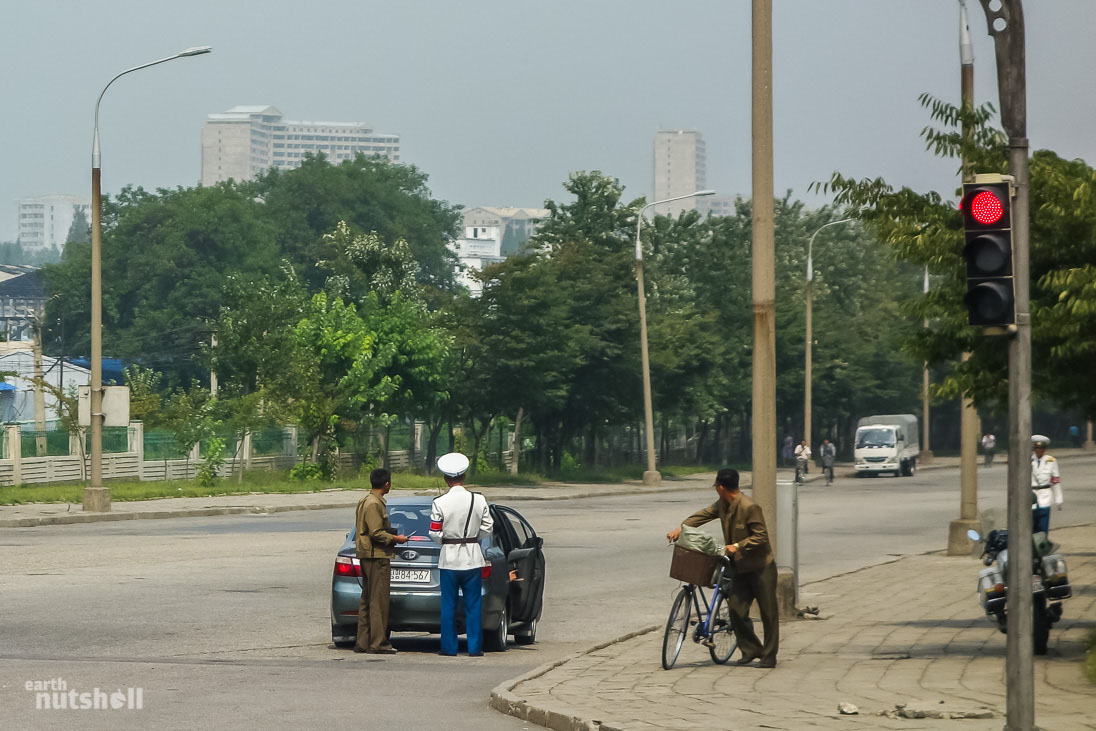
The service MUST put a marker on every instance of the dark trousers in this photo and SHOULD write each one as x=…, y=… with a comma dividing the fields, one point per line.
x=470, y=583
x=1040, y=520
x=747, y=587
x=373, y=608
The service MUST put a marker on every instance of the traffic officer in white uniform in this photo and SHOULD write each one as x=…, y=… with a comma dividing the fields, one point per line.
x=1046, y=484
x=458, y=520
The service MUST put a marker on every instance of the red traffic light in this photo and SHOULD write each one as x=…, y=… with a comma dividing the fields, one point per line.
x=986, y=208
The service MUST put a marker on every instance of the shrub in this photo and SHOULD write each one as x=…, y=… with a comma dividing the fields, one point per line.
x=214, y=460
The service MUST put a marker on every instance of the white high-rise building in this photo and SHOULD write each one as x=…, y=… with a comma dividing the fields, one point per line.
x=44, y=221
x=247, y=140
x=680, y=168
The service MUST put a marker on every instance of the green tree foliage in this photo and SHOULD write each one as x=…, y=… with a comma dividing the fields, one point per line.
x=926, y=230
x=80, y=230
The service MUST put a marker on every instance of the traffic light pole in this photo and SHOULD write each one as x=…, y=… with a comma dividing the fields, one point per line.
x=1008, y=36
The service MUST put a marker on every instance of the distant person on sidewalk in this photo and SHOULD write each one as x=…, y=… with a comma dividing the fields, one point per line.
x=373, y=545
x=459, y=520
x=829, y=455
x=1046, y=484
x=802, y=460
x=1075, y=436
x=788, y=452
x=989, y=443
x=753, y=567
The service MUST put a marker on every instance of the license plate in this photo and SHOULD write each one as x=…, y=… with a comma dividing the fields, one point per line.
x=412, y=576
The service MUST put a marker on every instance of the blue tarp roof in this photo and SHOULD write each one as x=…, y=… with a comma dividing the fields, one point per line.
x=6, y=387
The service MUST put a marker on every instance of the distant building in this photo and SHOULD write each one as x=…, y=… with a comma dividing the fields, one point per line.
x=515, y=224
x=22, y=301
x=717, y=205
x=480, y=246
x=680, y=168
x=44, y=221
x=247, y=140
x=17, y=391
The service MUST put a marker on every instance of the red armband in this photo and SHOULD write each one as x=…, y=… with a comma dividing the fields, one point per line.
x=1055, y=480
x=435, y=525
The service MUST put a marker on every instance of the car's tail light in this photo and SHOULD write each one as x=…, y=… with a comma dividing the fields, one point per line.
x=419, y=538
x=485, y=572
x=347, y=566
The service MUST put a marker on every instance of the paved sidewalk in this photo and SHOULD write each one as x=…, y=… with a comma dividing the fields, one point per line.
x=39, y=514
x=908, y=633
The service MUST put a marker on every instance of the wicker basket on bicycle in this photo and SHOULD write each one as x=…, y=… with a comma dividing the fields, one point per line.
x=693, y=567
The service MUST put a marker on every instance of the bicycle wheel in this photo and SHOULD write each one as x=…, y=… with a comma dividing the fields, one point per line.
x=677, y=627
x=724, y=642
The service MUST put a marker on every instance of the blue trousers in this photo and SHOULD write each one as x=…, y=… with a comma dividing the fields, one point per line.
x=470, y=583
x=1040, y=520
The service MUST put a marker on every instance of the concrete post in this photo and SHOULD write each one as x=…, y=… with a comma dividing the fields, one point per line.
x=13, y=450
x=1090, y=445
x=137, y=446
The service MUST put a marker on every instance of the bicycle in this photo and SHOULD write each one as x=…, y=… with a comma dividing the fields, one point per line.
x=712, y=629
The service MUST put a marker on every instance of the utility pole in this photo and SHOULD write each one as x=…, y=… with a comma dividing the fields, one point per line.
x=764, y=291
x=958, y=543
x=926, y=456
x=1006, y=25
x=39, y=397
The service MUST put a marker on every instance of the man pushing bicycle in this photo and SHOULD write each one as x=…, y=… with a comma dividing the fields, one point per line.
x=747, y=543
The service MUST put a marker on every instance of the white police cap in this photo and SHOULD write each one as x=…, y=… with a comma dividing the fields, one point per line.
x=453, y=464
x=1038, y=440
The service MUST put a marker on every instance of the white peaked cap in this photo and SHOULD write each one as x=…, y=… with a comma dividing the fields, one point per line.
x=453, y=464
x=1036, y=438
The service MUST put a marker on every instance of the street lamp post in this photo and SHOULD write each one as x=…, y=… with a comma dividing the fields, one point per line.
x=810, y=333
x=651, y=476
x=97, y=497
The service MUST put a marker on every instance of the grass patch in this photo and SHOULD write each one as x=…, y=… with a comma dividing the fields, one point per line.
x=279, y=482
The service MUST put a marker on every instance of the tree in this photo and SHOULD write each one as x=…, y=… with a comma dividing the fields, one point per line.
x=80, y=230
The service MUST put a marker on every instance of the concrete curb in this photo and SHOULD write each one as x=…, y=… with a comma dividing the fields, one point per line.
x=559, y=718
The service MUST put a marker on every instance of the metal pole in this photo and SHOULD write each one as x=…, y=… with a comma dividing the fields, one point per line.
x=926, y=448
x=651, y=476
x=807, y=369
x=1006, y=25
x=97, y=497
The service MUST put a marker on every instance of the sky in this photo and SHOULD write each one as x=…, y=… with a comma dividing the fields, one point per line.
x=498, y=101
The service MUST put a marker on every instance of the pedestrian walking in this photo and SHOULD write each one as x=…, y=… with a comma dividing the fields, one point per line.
x=829, y=456
x=752, y=566
x=374, y=544
x=788, y=452
x=1046, y=484
x=459, y=519
x=989, y=443
x=802, y=459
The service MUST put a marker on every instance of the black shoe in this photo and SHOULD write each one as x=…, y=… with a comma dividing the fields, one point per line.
x=384, y=651
x=767, y=663
x=746, y=659
x=475, y=654
x=448, y=654
x=359, y=649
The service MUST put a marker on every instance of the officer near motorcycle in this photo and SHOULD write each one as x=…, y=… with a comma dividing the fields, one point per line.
x=458, y=520
x=1046, y=484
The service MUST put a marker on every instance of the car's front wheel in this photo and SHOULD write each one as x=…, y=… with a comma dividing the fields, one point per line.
x=496, y=640
x=527, y=635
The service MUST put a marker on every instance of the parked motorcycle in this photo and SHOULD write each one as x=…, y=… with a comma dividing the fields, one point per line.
x=1049, y=582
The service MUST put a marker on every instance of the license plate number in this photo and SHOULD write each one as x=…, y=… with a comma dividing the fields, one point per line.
x=413, y=576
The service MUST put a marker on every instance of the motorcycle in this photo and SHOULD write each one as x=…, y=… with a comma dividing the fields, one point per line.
x=1049, y=582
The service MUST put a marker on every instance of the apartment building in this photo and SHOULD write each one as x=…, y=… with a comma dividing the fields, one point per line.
x=44, y=221
x=680, y=168
x=246, y=140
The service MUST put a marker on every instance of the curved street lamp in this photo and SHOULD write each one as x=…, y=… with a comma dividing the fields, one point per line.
x=651, y=476
x=97, y=497
x=810, y=334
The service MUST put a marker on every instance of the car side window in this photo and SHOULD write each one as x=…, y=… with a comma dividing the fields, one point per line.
x=522, y=531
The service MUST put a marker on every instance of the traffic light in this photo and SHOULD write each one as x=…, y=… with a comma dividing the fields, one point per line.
x=987, y=228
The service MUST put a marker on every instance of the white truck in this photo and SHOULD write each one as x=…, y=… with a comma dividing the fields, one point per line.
x=887, y=443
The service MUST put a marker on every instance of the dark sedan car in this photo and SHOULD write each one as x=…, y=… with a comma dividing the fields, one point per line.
x=509, y=607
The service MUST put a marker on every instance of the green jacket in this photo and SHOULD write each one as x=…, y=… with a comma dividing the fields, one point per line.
x=744, y=524
x=374, y=537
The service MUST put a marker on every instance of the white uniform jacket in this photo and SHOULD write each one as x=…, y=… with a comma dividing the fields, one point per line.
x=1045, y=481
x=448, y=518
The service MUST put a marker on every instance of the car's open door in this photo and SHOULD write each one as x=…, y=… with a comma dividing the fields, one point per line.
x=527, y=557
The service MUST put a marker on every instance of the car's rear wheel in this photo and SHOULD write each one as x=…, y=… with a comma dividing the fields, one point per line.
x=496, y=640
x=527, y=635
x=339, y=636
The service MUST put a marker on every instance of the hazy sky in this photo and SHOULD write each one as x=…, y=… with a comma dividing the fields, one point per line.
x=498, y=100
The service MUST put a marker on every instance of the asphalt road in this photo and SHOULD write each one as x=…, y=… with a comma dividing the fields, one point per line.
x=223, y=621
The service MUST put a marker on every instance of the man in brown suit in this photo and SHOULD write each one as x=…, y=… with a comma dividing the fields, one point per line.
x=754, y=577
x=373, y=543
